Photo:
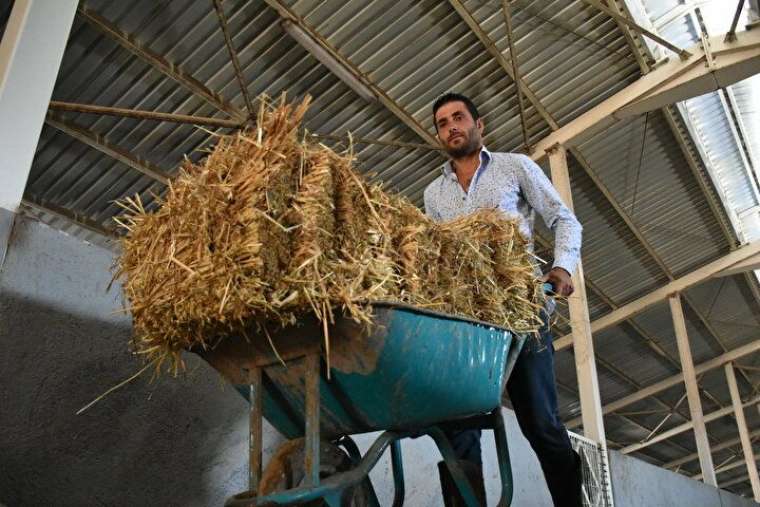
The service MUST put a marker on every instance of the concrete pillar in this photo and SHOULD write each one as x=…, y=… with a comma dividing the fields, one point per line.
x=583, y=346
x=692, y=391
x=30, y=56
x=741, y=422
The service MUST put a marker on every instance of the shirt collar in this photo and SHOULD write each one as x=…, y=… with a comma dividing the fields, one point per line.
x=485, y=159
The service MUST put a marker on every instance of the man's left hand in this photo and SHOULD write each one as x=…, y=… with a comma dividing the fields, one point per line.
x=560, y=280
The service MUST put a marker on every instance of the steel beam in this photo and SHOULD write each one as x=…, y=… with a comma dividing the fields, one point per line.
x=288, y=14
x=717, y=447
x=629, y=35
x=741, y=423
x=682, y=53
x=728, y=466
x=674, y=380
x=363, y=140
x=731, y=36
x=489, y=45
x=117, y=153
x=671, y=82
x=142, y=114
x=687, y=426
x=733, y=482
x=212, y=122
x=692, y=391
x=158, y=62
x=234, y=57
x=77, y=219
x=583, y=345
x=746, y=265
x=515, y=71
x=678, y=285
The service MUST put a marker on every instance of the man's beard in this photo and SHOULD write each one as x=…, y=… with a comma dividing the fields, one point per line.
x=468, y=148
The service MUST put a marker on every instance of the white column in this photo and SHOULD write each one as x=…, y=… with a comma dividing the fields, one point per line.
x=583, y=346
x=30, y=56
x=741, y=422
x=692, y=391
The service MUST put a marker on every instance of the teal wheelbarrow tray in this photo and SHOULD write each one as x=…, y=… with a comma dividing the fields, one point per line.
x=412, y=373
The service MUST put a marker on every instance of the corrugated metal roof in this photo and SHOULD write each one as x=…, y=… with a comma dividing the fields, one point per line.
x=571, y=56
x=729, y=307
x=658, y=8
x=711, y=120
x=747, y=96
x=724, y=311
x=618, y=264
x=623, y=345
x=647, y=177
x=658, y=322
x=715, y=129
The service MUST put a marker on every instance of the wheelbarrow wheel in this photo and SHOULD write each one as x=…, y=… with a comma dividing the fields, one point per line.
x=285, y=470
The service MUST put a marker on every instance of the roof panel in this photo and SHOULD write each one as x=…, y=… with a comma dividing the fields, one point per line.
x=640, y=163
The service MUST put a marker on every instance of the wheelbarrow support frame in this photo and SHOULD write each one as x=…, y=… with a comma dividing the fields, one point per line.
x=333, y=490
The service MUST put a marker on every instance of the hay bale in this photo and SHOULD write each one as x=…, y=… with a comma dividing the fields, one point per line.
x=269, y=227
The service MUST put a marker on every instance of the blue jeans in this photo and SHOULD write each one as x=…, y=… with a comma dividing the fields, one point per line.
x=533, y=392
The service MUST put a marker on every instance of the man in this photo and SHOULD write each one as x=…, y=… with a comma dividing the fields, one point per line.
x=475, y=178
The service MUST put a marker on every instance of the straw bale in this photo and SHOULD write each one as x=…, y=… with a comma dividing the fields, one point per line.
x=270, y=227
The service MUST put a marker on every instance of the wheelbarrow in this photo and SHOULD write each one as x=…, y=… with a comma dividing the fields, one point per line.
x=412, y=373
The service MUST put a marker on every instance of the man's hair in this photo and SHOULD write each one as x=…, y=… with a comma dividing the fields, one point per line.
x=455, y=97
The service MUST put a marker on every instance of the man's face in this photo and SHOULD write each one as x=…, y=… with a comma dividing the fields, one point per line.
x=458, y=133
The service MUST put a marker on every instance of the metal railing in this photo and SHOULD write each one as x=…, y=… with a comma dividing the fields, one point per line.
x=597, y=486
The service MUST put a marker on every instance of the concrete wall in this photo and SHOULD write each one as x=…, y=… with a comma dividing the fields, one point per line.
x=636, y=483
x=167, y=442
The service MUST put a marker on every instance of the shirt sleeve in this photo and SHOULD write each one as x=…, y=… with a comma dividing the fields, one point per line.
x=543, y=197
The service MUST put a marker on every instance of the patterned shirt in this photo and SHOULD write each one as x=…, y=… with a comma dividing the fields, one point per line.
x=516, y=185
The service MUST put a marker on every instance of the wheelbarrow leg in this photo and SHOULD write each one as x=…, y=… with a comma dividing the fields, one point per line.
x=311, y=437
x=450, y=458
x=255, y=442
x=397, y=464
x=502, y=454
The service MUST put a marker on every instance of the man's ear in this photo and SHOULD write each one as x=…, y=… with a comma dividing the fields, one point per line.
x=481, y=126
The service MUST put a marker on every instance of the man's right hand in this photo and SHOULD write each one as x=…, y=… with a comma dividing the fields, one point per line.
x=561, y=281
